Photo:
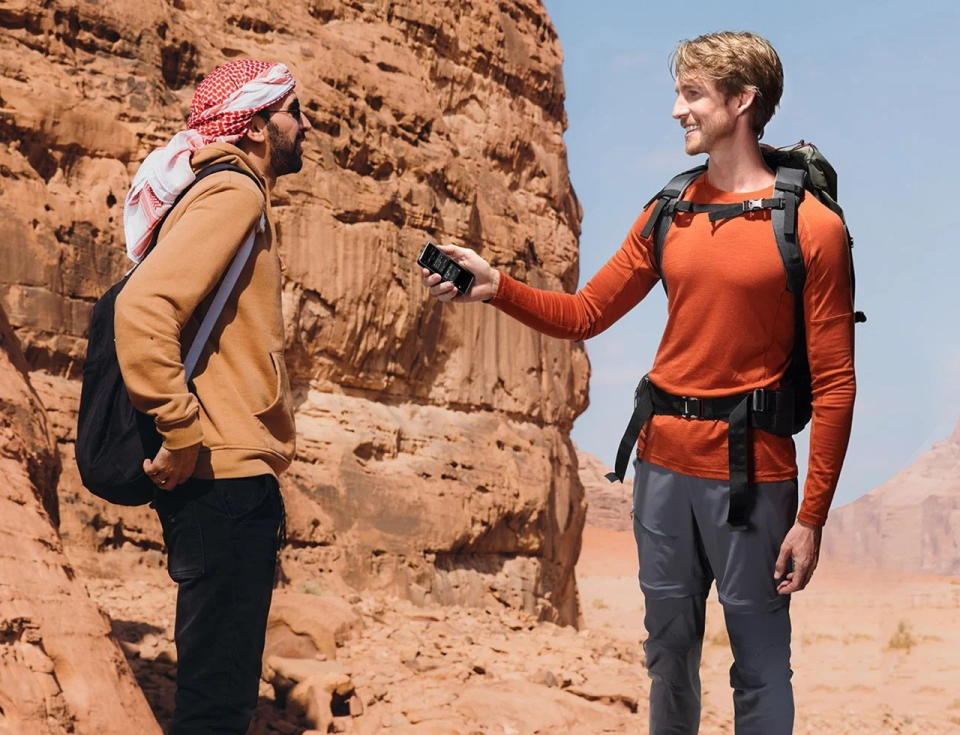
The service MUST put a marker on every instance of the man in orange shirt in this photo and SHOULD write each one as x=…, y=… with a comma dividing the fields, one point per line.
x=729, y=339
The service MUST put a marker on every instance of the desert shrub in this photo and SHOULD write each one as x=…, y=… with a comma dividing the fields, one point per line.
x=903, y=638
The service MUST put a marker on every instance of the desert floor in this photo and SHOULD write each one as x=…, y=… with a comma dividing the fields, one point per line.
x=873, y=651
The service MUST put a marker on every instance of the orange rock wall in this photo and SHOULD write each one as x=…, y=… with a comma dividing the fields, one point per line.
x=60, y=670
x=434, y=454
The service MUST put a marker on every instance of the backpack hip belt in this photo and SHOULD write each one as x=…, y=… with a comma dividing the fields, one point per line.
x=764, y=408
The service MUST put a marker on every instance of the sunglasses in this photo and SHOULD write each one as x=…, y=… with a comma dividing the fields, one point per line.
x=293, y=110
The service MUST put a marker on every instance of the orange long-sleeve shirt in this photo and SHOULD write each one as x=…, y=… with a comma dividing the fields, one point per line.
x=729, y=330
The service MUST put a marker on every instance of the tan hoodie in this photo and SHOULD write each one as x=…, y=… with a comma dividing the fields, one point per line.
x=240, y=409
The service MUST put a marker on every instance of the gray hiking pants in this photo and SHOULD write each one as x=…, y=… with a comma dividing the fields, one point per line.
x=684, y=544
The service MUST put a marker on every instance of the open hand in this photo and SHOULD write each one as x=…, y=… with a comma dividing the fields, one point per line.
x=486, y=280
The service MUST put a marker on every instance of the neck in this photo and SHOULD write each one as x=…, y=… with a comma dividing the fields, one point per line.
x=736, y=165
x=259, y=156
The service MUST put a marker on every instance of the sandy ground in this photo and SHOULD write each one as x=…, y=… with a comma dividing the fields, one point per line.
x=873, y=652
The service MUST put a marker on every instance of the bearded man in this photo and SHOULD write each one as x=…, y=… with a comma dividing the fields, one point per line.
x=228, y=431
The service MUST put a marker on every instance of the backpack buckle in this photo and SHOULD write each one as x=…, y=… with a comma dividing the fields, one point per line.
x=752, y=205
x=759, y=400
x=692, y=408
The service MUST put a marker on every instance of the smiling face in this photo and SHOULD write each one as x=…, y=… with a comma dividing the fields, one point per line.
x=734, y=63
x=707, y=116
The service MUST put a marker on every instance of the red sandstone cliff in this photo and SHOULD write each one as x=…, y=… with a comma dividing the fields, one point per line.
x=434, y=454
x=59, y=666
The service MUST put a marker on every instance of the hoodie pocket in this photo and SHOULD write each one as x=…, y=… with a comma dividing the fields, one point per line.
x=277, y=418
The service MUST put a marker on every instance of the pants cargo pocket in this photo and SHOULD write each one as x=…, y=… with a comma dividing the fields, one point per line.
x=184, y=540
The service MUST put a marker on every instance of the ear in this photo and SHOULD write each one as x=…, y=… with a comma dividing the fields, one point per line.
x=257, y=130
x=742, y=100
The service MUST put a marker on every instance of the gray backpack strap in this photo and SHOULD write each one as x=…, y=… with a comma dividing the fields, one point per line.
x=662, y=215
x=220, y=299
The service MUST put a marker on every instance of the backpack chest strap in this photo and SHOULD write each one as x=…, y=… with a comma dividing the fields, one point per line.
x=727, y=211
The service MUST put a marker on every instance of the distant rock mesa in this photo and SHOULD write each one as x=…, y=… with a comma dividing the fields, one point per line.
x=910, y=523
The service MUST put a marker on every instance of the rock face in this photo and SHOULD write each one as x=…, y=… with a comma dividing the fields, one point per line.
x=59, y=666
x=608, y=504
x=434, y=455
x=910, y=523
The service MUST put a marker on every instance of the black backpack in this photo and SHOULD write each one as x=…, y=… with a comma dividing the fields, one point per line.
x=113, y=438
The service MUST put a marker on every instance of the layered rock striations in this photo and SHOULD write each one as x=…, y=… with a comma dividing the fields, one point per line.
x=434, y=457
x=910, y=523
x=60, y=670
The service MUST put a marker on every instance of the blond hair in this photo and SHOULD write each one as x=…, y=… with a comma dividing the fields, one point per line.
x=735, y=62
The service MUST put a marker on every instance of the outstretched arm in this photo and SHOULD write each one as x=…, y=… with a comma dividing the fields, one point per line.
x=616, y=288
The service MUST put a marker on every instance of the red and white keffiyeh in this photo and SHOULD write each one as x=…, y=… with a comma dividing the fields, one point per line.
x=222, y=107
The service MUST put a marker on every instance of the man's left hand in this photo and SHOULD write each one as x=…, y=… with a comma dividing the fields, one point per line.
x=802, y=544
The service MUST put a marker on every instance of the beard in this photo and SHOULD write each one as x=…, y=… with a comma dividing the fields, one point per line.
x=285, y=156
x=712, y=128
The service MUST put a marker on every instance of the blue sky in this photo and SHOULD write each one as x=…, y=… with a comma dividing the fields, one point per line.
x=875, y=86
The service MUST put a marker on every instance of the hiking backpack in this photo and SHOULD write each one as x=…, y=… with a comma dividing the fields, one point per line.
x=800, y=169
x=113, y=438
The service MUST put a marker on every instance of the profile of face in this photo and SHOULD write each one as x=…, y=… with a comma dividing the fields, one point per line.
x=287, y=127
x=707, y=116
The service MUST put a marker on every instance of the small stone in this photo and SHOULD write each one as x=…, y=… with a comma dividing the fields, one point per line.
x=356, y=705
x=545, y=677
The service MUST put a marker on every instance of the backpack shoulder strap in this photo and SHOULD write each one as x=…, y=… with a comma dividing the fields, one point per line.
x=789, y=186
x=215, y=169
x=230, y=277
x=224, y=290
x=662, y=215
x=200, y=175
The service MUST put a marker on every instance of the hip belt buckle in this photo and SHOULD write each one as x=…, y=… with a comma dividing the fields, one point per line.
x=692, y=407
x=760, y=400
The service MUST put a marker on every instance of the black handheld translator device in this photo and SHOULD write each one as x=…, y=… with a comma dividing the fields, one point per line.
x=435, y=261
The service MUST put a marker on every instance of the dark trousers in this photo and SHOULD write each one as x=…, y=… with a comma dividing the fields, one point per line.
x=222, y=542
x=684, y=545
